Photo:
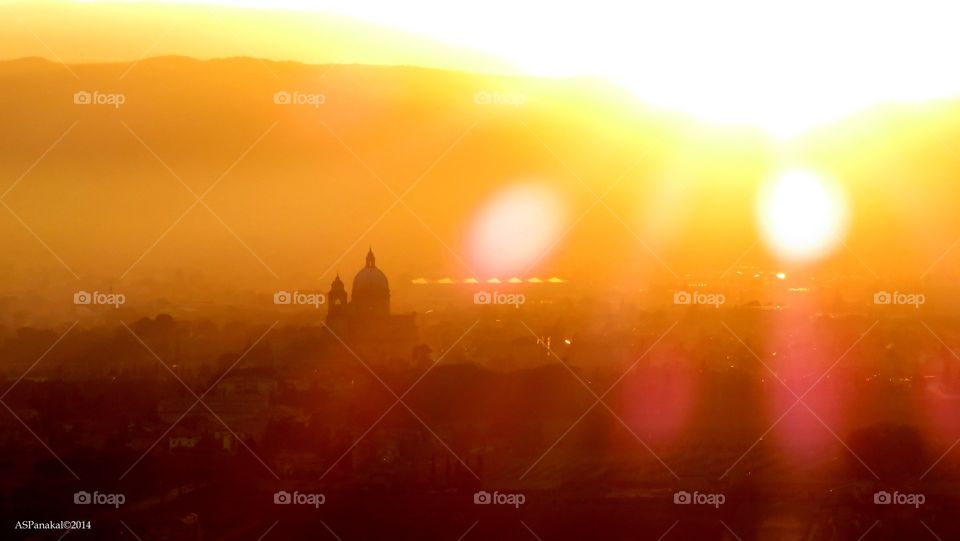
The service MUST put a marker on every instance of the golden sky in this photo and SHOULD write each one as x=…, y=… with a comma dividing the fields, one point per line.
x=783, y=66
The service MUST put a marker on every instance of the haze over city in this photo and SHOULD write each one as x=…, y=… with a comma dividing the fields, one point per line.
x=433, y=270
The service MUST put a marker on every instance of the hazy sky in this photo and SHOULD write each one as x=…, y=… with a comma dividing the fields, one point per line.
x=781, y=65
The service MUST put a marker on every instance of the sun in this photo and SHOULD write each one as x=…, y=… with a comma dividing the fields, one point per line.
x=802, y=215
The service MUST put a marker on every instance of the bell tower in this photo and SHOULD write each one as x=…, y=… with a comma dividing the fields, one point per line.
x=336, y=299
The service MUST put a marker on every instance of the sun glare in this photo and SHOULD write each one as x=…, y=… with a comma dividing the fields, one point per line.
x=781, y=66
x=802, y=216
x=784, y=67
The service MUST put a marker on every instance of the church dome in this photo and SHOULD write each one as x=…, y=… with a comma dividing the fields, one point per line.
x=371, y=290
x=370, y=281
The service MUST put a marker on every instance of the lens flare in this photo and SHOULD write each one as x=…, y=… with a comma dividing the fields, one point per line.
x=515, y=229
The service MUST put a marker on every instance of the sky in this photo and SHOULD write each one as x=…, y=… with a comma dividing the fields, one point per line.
x=868, y=185
x=782, y=66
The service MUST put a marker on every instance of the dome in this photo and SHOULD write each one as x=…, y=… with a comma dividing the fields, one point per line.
x=371, y=290
x=370, y=281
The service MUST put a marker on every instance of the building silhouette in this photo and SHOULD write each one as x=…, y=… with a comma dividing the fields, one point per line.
x=371, y=290
x=364, y=320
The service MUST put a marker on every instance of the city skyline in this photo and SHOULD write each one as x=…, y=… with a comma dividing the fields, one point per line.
x=438, y=271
